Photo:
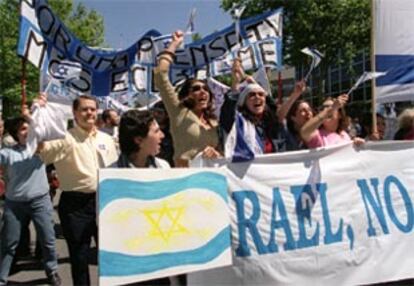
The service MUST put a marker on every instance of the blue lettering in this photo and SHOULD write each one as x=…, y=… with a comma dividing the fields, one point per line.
x=303, y=211
x=375, y=204
x=392, y=180
x=282, y=223
x=244, y=224
x=330, y=237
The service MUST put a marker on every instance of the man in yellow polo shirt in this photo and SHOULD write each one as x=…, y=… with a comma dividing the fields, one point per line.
x=77, y=159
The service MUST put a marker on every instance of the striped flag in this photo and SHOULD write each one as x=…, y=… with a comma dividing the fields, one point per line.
x=190, y=28
x=242, y=143
x=364, y=77
x=66, y=70
x=316, y=59
x=394, y=50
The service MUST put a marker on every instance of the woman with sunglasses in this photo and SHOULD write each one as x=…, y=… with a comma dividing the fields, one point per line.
x=194, y=127
x=328, y=126
x=253, y=104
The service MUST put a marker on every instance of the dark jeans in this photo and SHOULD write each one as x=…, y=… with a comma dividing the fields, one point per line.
x=16, y=214
x=77, y=213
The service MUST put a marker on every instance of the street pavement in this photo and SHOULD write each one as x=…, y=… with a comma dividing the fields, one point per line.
x=29, y=271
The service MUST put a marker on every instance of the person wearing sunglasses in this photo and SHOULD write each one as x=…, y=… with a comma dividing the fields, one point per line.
x=252, y=102
x=194, y=127
x=329, y=125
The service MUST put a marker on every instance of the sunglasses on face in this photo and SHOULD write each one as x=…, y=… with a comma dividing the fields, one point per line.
x=254, y=93
x=199, y=87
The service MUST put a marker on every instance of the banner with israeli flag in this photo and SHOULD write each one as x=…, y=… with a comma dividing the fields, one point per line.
x=162, y=224
x=242, y=143
x=394, y=49
x=45, y=41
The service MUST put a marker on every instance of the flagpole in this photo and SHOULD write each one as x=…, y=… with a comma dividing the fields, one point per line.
x=23, y=83
x=279, y=87
x=373, y=69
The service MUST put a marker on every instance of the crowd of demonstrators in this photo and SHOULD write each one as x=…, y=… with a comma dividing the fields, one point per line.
x=177, y=129
x=27, y=197
x=193, y=125
x=77, y=158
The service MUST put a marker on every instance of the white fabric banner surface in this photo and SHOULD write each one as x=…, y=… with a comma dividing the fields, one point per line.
x=335, y=216
x=394, y=51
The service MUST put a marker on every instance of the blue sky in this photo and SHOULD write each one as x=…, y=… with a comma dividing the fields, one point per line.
x=127, y=20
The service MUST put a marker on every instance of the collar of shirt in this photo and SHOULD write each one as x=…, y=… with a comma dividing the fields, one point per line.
x=85, y=134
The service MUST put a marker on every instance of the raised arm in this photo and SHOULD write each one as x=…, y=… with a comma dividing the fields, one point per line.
x=237, y=75
x=162, y=81
x=282, y=112
x=167, y=56
x=313, y=124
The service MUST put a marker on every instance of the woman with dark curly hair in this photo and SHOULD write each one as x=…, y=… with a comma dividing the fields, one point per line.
x=193, y=124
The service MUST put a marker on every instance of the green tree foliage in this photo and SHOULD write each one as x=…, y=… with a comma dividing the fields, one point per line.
x=87, y=25
x=332, y=26
x=340, y=29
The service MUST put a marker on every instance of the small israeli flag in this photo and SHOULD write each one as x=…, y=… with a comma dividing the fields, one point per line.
x=316, y=59
x=190, y=29
x=66, y=70
x=242, y=143
x=364, y=77
x=237, y=12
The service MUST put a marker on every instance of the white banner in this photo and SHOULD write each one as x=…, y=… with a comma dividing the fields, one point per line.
x=337, y=216
x=394, y=50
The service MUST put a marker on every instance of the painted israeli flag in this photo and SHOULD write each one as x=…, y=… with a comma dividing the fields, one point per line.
x=394, y=49
x=167, y=222
x=242, y=143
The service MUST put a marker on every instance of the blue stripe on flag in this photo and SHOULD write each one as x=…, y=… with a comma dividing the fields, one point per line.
x=242, y=151
x=134, y=264
x=399, y=68
x=113, y=189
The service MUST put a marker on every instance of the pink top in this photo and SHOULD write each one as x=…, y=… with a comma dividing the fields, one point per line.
x=321, y=137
